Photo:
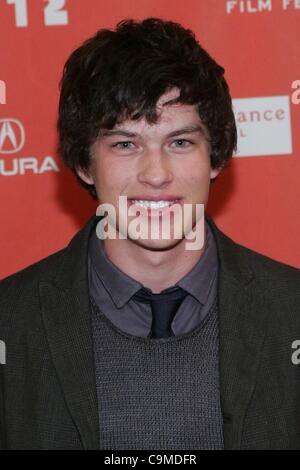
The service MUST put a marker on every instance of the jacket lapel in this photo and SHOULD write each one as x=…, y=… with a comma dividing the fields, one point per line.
x=66, y=316
x=242, y=327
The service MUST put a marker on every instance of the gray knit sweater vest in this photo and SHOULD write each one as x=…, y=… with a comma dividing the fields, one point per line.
x=158, y=394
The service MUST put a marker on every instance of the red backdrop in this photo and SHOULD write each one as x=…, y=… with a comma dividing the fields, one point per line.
x=255, y=201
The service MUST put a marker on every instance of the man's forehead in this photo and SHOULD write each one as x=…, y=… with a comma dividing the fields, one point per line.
x=167, y=122
x=168, y=96
x=167, y=115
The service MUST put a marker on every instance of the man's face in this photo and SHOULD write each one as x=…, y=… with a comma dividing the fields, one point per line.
x=168, y=160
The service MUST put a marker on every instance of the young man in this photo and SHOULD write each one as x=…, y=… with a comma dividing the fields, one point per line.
x=141, y=343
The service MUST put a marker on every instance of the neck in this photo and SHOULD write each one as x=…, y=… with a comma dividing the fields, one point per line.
x=156, y=270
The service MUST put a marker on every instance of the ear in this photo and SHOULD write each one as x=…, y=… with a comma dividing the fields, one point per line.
x=85, y=176
x=214, y=172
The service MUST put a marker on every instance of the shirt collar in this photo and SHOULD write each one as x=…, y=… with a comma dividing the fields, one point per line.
x=122, y=287
x=118, y=284
x=199, y=280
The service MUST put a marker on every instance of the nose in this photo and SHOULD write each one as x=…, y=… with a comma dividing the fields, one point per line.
x=155, y=169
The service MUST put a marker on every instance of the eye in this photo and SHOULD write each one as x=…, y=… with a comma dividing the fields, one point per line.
x=126, y=145
x=182, y=143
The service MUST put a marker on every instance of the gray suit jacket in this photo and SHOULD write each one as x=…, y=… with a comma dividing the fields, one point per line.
x=47, y=386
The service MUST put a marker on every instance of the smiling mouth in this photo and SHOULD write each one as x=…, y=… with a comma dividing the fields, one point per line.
x=155, y=205
x=151, y=208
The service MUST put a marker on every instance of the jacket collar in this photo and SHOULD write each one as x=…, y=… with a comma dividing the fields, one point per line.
x=74, y=266
x=242, y=328
x=66, y=308
x=66, y=314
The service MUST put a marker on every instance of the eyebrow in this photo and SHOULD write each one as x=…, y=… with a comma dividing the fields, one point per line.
x=184, y=130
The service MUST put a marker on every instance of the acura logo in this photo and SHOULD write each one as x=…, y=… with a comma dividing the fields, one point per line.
x=12, y=135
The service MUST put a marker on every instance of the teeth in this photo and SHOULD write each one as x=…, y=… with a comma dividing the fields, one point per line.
x=153, y=204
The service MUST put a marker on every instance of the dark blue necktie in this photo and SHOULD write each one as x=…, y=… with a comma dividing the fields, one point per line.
x=164, y=307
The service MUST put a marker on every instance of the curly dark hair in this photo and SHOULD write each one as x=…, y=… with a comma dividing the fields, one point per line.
x=121, y=74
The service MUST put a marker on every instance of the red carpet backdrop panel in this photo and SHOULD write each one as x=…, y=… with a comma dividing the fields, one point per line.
x=255, y=200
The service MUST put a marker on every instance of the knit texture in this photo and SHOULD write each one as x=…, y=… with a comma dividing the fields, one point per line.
x=158, y=394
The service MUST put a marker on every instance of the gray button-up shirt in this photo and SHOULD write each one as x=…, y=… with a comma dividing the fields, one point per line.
x=112, y=291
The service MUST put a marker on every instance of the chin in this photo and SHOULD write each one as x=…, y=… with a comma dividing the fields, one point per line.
x=157, y=245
